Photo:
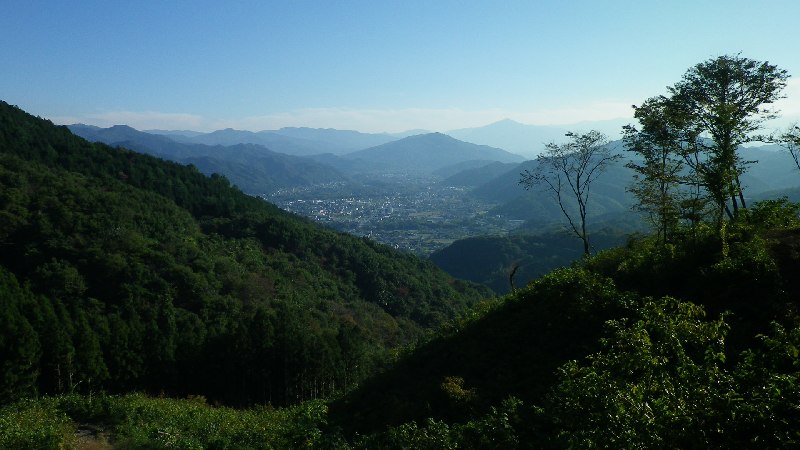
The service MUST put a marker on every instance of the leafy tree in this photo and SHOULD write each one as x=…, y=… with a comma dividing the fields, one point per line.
x=775, y=214
x=658, y=172
x=567, y=171
x=723, y=103
x=658, y=383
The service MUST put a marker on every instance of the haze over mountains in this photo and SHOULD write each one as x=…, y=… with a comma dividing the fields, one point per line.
x=311, y=157
x=253, y=168
x=515, y=137
x=282, y=159
x=293, y=141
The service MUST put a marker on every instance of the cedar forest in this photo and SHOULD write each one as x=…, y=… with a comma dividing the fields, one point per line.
x=156, y=307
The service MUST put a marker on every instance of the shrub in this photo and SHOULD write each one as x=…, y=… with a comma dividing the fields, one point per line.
x=35, y=424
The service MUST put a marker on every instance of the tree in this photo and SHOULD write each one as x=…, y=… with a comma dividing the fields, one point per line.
x=724, y=102
x=567, y=171
x=660, y=381
x=20, y=348
x=790, y=140
x=659, y=167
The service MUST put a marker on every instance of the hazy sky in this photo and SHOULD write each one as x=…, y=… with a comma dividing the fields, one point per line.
x=374, y=65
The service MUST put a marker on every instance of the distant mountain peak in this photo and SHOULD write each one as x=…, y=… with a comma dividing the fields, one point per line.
x=430, y=137
x=122, y=127
x=429, y=152
x=506, y=121
x=511, y=135
x=313, y=129
x=83, y=125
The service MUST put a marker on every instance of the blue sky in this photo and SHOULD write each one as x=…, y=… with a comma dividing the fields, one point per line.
x=374, y=65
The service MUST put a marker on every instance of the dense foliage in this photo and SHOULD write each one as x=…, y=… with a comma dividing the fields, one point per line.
x=120, y=271
x=662, y=374
x=514, y=349
x=718, y=106
x=610, y=354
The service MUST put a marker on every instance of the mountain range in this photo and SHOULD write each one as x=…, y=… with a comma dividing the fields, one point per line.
x=253, y=168
x=770, y=170
x=248, y=158
x=298, y=141
x=512, y=136
x=489, y=173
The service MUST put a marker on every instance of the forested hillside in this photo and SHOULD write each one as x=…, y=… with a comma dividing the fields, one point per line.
x=646, y=346
x=120, y=272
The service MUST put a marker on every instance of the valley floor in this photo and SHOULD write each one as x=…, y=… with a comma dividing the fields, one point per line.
x=419, y=219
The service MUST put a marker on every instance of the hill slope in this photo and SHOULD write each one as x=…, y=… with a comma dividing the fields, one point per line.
x=586, y=350
x=476, y=176
x=120, y=271
x=490, y=260
x=513, y=350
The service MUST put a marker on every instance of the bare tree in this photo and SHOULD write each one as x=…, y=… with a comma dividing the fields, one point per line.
x=514, y=269
x=567, y=172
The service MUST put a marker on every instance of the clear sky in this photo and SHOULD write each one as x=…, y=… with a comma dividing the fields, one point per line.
x=373, y=65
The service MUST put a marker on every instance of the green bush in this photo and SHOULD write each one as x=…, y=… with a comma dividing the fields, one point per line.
x=771, y=214
x=140, y=422
x=35, y=424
